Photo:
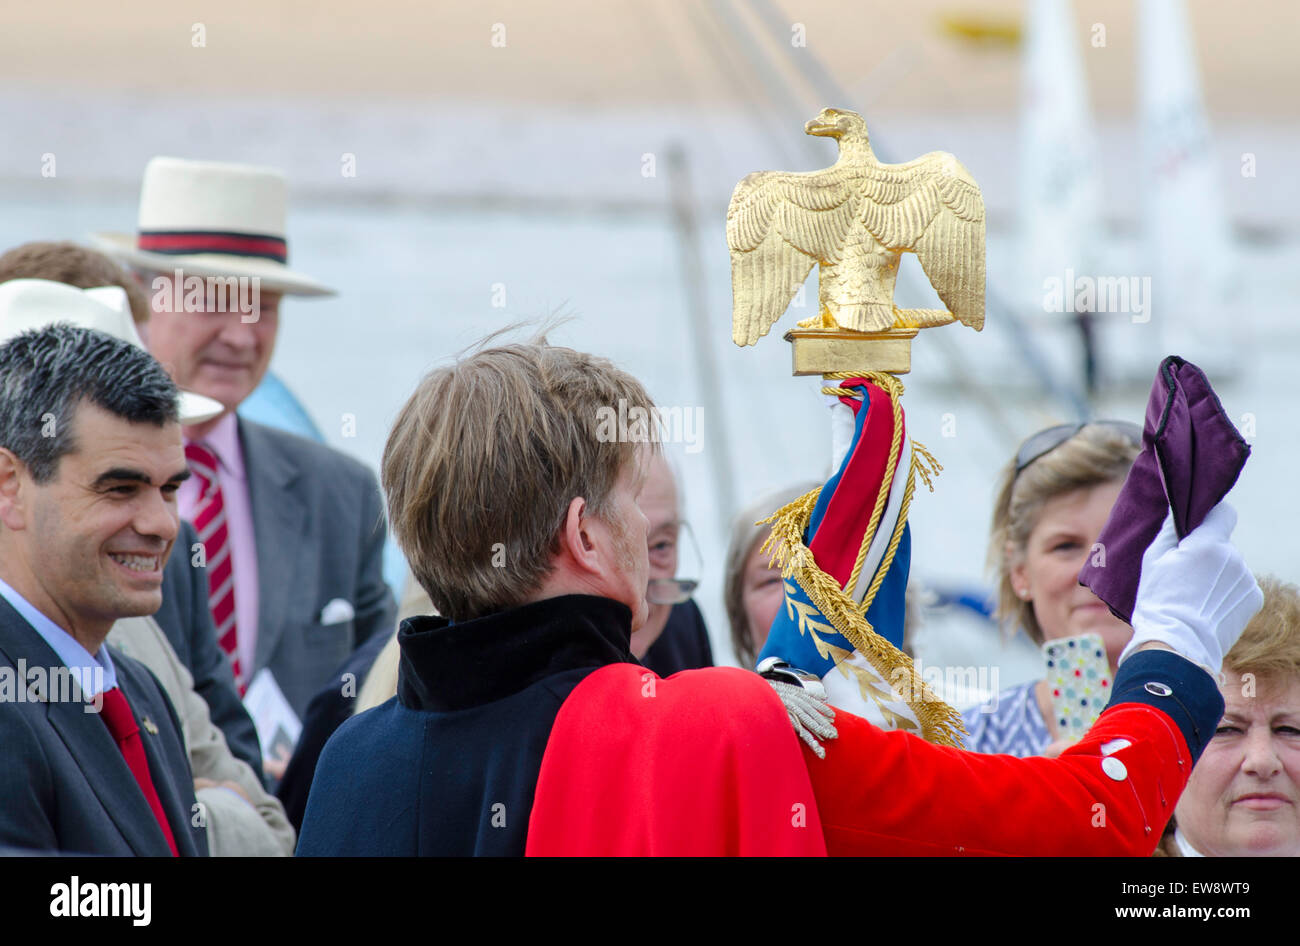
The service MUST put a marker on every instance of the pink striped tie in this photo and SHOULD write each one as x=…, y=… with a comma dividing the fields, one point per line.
x=210, y=521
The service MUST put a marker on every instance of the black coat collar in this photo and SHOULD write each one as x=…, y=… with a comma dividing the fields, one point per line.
x=447, y=666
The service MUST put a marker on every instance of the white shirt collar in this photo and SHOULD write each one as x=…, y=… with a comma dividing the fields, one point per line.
x=1184, y=846
x=94, y=674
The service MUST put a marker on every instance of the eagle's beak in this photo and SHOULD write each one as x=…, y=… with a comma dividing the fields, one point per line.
x=820, y=127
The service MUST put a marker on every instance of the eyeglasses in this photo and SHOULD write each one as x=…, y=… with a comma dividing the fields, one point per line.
x=677, y=590
x=1045, y=441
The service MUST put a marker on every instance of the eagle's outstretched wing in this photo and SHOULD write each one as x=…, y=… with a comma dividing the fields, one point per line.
x=932, y=207
x=779, y=225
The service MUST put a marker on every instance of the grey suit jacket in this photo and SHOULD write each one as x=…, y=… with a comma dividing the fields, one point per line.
x=319, y=524
x=64, y=785
x=186, y=619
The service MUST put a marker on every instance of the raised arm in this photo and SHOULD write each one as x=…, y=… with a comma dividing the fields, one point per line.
x=1111, y=793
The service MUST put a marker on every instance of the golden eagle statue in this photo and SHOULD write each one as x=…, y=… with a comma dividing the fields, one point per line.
x=856, y=218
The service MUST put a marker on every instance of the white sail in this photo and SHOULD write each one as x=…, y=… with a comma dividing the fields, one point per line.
x=1059, y=187
x=1058, y=172
x=1187, y=240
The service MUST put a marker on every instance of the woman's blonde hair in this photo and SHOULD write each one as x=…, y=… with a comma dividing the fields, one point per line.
x=1270, y=644
x=485, y=458
x=745, y=537
x=1095, y=455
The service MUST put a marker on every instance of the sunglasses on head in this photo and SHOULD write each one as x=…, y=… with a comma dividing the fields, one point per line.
x=1045, y=441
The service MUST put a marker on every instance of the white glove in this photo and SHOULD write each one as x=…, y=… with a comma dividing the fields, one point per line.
x=1196, y=595
x=811, y=717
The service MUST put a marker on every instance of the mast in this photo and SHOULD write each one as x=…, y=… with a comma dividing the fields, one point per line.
x=1059, y=189
x=1187, y=241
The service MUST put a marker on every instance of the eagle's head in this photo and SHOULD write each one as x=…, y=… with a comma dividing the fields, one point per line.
x=837, y=123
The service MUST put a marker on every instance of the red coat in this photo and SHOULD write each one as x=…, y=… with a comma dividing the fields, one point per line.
x=705, y=763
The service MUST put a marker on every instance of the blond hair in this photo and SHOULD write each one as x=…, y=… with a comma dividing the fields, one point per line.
x=1097, y=454
x=485, y=458
x=1270, y=644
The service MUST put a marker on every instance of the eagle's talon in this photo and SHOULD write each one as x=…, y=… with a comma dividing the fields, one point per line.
x=822, y=320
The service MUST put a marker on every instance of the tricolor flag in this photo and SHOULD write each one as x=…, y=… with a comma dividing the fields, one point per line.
x=846, y=549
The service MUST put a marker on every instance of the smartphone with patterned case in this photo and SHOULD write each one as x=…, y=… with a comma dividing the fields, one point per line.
x=1078, y=682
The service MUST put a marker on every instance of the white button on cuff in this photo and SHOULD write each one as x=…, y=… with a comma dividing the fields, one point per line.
x=1157, y=689
x=1114, y=768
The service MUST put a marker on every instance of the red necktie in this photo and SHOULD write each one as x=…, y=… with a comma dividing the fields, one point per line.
x=210, y=521
x=121, y=724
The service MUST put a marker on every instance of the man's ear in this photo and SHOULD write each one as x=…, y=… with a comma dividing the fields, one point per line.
x=575, y=541
x=13, y=512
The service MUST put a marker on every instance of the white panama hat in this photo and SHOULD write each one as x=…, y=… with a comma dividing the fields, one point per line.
x=212, y=219
x=27, y=304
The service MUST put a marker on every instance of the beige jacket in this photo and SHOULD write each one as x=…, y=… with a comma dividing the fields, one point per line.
x=235, y=828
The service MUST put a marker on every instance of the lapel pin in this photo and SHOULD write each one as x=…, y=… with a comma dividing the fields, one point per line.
x=149, y=726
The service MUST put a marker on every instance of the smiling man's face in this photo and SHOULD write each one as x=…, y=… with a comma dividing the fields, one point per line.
x=216, y=353
x=97, y=536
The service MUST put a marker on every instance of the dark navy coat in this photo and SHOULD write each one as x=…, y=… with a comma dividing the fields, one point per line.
x=449, y=766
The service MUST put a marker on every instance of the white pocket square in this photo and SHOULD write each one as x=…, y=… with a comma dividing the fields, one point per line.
x=337, y=611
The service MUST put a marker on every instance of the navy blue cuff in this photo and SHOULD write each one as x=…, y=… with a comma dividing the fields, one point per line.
x=1175, y=686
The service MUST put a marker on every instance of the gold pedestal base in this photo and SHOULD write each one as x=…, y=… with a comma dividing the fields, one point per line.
x=824, y=352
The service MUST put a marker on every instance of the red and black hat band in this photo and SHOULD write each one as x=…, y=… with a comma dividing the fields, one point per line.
x=189, y=242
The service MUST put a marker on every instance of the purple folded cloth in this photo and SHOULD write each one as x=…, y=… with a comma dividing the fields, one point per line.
x=1191, y=456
